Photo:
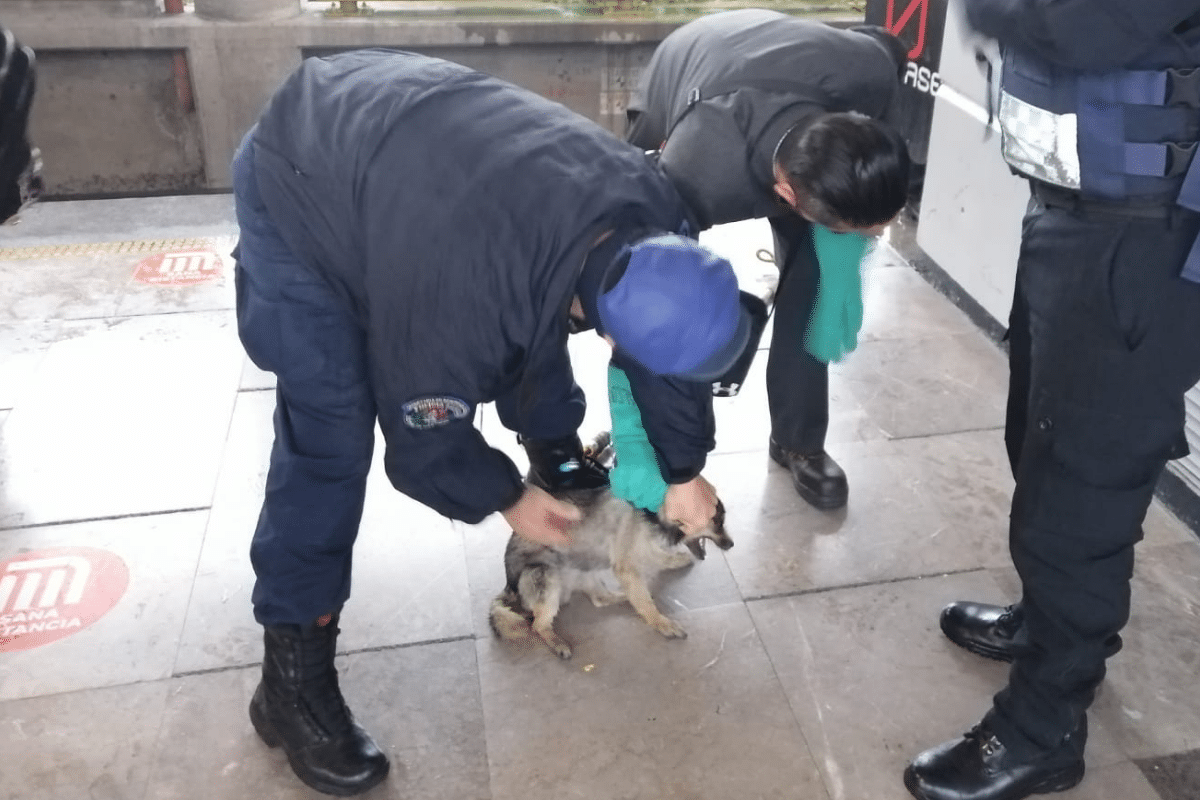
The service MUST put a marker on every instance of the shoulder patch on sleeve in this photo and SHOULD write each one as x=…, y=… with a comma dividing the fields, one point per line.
x=429, y=412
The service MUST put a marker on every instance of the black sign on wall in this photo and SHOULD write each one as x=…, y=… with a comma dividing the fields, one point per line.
x=919, y=24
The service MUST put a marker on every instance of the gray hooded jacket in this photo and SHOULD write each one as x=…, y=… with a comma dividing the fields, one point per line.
x=720, y=93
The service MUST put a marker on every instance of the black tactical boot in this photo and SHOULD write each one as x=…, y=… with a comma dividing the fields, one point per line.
x=560, y=465
x=298, y=706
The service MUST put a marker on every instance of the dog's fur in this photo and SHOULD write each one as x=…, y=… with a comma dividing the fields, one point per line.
x=635, y=544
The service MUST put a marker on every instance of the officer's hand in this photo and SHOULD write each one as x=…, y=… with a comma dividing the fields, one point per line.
x=539, y=518
x=690, y=505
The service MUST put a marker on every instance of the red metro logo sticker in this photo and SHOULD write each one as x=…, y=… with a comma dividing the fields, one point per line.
x=50, y=594
x=184, y=268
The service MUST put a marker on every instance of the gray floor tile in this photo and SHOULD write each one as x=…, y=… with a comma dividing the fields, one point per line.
x=1121, y=781
x=409, y=567
x=128, y=418
x=744, y=421
x=901, y=520
x=899, y=304
x=929, y=385
x=93, y=744
x=1163, y=527
x=78, y=287
x=254, y=379
x=1175, y=777
x=966, y=478
x=421, y=704
x=138, y=638
x=1149, y=699
x=634, y=715
x=123, y=218
x=873, y=682
x=23, y=345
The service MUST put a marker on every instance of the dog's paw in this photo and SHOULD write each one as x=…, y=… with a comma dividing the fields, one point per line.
x=556, y=643
x=670, y=628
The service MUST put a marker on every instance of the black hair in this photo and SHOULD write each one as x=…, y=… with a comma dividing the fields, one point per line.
x=846, y=168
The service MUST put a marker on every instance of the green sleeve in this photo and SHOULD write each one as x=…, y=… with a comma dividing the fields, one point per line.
x=636, y=476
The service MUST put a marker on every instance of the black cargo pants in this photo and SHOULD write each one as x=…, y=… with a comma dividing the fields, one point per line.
x=1105, y=341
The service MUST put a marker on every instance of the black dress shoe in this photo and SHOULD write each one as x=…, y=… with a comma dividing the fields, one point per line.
x=996, y=632
x=558, y=465
x=817, y=477
x=979, y=767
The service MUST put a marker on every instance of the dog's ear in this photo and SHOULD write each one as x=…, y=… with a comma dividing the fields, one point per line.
x=719, y=518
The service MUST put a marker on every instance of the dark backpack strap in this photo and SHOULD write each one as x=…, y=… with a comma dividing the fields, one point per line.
x=16, y=90
x=717, y=89
x=697, y=95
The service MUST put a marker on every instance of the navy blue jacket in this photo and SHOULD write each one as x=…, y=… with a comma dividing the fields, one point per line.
x=1089, y=35
x=452, y=212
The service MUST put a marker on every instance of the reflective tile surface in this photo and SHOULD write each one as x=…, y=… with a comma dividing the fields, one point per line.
x=134, y=443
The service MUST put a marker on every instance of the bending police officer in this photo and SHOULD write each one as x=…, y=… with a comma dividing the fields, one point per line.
x=761, y=114
x=417, y=238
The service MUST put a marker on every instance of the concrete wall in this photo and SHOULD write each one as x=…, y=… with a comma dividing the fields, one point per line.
x=131, y=99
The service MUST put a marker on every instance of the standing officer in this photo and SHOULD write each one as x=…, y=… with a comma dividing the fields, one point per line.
x=1100, y=110
x=760, y=114
x=417, y=238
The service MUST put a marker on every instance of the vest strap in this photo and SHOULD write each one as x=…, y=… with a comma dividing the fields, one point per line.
x=1189, y=198
x=1166, y=160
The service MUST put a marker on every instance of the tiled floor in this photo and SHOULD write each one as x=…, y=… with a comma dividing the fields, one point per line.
x=133, y=425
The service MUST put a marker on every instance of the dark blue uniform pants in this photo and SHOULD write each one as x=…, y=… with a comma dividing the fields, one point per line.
x=1105, y=341
x=292, y=324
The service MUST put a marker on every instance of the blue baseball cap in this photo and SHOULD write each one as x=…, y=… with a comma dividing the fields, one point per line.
x=675, y=309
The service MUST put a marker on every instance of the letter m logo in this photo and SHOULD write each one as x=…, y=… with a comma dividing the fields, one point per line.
x=51, y=575
x=908, y=10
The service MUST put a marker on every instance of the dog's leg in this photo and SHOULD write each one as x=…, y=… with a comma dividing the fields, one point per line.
x=634, y=584
x=598, y=593
x=541, y=590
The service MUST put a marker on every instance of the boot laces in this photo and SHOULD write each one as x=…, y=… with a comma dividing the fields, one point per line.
x=987, y=741
x=1010, y=621
x=319, y=682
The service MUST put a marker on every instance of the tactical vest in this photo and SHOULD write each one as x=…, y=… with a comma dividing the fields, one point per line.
x=1124, y=137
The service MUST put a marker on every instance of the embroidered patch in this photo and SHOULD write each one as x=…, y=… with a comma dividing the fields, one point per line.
x=429, y=412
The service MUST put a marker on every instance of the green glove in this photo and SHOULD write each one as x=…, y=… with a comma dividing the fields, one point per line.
x=635, y=477
x=838, y=311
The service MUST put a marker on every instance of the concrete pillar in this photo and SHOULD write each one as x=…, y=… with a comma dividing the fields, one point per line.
x=235, y=69
x=247, y=10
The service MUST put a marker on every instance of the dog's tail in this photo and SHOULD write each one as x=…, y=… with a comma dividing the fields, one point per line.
x=508, y=616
